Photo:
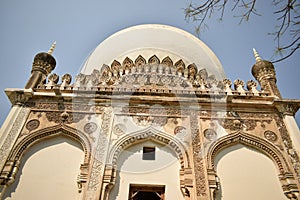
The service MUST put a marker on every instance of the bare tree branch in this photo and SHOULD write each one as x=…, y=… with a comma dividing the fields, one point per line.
x=286, y=12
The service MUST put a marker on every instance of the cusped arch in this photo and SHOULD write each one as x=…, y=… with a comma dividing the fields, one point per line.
x=149, y=134
x=43, y=134
x=248, y=140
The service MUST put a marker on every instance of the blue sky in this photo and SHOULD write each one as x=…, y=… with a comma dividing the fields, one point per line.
x=29, y=27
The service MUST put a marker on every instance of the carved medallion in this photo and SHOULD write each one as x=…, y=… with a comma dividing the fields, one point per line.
x=270, y=135
x=210, y=134
x=181, y=133
x=32, y=124
x=180, y=130
x=90, y=127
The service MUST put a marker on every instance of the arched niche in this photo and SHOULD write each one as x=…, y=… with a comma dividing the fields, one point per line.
x=268, y=153
x=247, y=174
x=49, y=132
x=41, y=136
x=48, y=170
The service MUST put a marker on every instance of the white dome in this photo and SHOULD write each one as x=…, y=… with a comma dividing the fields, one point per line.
x=153, y=39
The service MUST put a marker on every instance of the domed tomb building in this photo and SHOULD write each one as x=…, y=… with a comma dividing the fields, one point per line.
x=150, y=116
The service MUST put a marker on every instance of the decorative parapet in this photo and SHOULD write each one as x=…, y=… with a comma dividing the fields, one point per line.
x=155, y=77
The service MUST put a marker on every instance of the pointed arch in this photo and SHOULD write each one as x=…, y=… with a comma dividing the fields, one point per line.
x=149, y=134
x=286, y=177
x=251, y=141
x=13, y=162
x=58, y=130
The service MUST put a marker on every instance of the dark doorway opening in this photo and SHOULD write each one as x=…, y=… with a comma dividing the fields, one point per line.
x=146, y=192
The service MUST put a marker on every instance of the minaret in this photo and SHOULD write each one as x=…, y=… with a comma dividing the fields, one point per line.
x=264, y=73
x=43, y=64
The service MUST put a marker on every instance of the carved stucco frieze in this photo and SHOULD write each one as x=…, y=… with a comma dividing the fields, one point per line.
x=235, y=121
x=142, y=120
x=287, y=108
x=99, y=156
x=12, y=135
x=294, y=157
x=199, y=162
x=19, y=97
x=64, y=117
x=132, y=110
x=74, y=106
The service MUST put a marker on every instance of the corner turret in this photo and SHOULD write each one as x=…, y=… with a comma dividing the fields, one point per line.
x=264, y=72
x=43, y=64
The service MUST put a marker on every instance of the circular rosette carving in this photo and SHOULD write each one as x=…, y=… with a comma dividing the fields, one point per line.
x=270, y=135
x=90, y=127
x=210, y=134
x=32, y=124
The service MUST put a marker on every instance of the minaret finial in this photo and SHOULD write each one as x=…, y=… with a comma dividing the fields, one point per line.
x=52, y=48
x=256, y=55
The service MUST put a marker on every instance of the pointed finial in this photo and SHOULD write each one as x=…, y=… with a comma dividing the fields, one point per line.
x=52, y=48
x=256, y=55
